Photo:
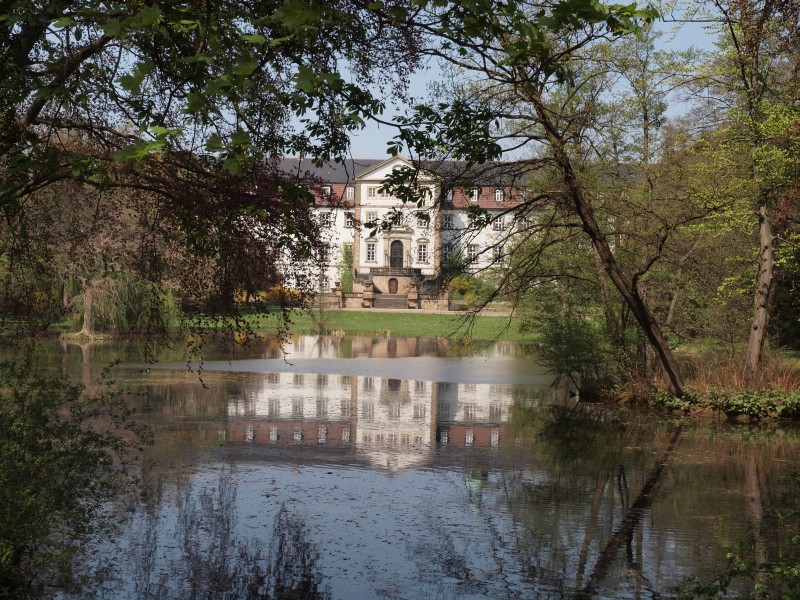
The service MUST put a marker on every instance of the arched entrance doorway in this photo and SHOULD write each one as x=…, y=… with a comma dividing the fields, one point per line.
x=393, y=285
x=396, y=254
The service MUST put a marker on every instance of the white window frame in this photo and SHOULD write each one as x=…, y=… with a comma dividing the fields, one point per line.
x=447, y=220
x=372, y=217
x=422, y=252
x=472, y=252
x=372, y=251
x=474, y=194
x=350, y=192
x=349, y=220
x=326, y=219
x=499, y=195
x=497, y=223
x=372, y=192
x=326, y=191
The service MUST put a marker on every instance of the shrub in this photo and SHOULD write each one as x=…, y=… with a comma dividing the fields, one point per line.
x=62, y=456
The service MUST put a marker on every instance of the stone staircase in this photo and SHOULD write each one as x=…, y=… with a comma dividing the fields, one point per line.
x=391, y=301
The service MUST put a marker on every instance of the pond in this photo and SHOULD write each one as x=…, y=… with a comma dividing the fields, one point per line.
x=357, y=467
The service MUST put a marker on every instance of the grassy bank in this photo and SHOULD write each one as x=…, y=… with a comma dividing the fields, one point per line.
x=402, y=323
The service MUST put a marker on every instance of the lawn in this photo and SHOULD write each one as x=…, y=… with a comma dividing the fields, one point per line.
x=401, y=323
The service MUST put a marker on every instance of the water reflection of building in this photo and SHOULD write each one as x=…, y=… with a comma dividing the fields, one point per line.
x=392, y=422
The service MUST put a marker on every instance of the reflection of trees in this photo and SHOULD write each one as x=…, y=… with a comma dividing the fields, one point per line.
x=588, y=454
x=214, y=561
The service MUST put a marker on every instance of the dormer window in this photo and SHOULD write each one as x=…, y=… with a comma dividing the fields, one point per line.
x=326, y=191
x=473, y=194
x=448, y=196
x=499, y=195
x=350, y=193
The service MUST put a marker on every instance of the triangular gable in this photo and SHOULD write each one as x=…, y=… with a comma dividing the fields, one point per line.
x=380, y=171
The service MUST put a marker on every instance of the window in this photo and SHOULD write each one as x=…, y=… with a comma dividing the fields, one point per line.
x=397, y=219
x=325, y=253
x=350, y=192
x=494, y=439
x=473, y=194
x=446, y=251
x=383, y=193
x=325, y=219
x=447, y=220
x=497, y=223
x=448, y=196
x=372, y=217
x=326, y=191
x=422, y=253
x=273, y=434
x=472, y=252
x=422, y=220
x=322, y=435
x=497, y=253
x=419, y=411
x=371, y=251
x=367, y=410
x=274, y=409
x=372, y=192
x=349, y=220
x=499, y=195
x=469, y=437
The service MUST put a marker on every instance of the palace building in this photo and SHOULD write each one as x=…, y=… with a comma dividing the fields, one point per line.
x=399, y=250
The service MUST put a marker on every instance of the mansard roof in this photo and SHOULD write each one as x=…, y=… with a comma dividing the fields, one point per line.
x=459, y=177
x=330, y=172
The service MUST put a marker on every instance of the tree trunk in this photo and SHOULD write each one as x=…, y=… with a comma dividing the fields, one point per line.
x=628, y=289
x=762, y=299
x=88, y=311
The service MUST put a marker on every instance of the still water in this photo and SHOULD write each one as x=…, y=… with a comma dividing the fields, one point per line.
x=348, y=468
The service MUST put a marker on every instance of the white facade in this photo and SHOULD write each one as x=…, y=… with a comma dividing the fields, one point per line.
x=389, y=238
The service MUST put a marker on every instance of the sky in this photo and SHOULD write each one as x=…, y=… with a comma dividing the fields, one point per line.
x=372, y=141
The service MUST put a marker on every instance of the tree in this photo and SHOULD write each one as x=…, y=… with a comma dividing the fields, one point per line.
x=532, y=71
x=61, y=457
x=192, y=105
x=758, y=80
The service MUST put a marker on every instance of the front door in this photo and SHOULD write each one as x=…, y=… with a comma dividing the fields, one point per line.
x=396, y=254
x=393, y=286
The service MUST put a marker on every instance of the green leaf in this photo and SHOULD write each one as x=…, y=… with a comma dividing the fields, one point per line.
x=254, y=38
x=112, y=28
x=233, y=165
x=63, y=22
x=138, y=149
x=245, y=65
x=305, y=80
x=240, y=137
